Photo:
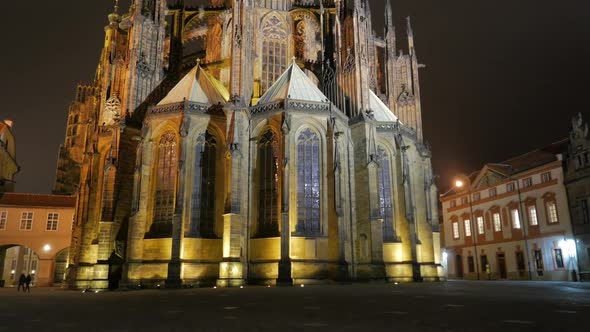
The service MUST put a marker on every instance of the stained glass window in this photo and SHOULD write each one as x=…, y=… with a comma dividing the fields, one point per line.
x=308, y=184
x=203, y=198
x=268, y=193
x=166, y=169
x=385, y=199
x=274, y=51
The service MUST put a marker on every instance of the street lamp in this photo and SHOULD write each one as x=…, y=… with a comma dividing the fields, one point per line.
x=525, y=223
x=461, y=182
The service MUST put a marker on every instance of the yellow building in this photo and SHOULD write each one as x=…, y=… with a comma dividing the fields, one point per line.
x=8, y=165
x=35, y=235
x=291, y=152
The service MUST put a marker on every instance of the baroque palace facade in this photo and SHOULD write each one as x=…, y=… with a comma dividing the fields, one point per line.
x=250, y=141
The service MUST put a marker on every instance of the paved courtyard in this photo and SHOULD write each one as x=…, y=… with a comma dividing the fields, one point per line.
x=450, y=306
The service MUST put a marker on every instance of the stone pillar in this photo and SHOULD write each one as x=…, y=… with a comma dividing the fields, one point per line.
x=343, y=272
x=231, y=267
x=2, y=263
x=375, y=216
x=44, y=272
x=174, y=278
x=285, y=277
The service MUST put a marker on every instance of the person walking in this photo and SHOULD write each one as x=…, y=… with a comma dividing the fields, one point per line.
x=28, y=283
x=21, y=282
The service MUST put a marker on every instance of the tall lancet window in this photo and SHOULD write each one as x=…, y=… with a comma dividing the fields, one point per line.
x=274, y=50
x=108, y=193
x=308, y=184
x=166, y=169
x=385, y=195
x=268, y=192
x=203, y=198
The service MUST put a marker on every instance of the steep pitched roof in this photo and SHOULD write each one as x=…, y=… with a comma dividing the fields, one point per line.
x=380, y=110
x=37, y=200
x=293, y=84
x=198, y=87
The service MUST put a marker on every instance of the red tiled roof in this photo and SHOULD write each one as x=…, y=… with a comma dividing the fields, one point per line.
x=38, y=200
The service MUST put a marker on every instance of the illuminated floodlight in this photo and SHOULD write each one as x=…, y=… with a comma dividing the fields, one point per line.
x=459, y=184
x=46, y=247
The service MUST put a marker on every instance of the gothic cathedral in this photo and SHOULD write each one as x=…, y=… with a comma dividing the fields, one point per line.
x=250, y=142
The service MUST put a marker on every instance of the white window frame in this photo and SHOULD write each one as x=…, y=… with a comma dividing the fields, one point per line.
x=480, y=225
x=552, y=216
x=527, y=183
x=492, y=192
x=467, y=225
x=456, y=234
x=516, y=224
x=28, y=221
x=3, y=220
x=52, y=224
x=497, y=221
x=533, y=215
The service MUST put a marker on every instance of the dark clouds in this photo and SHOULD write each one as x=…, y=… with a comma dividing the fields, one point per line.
x=502, y=77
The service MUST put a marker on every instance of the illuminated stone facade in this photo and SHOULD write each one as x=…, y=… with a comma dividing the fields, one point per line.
x=8, y=165
x=291, y=151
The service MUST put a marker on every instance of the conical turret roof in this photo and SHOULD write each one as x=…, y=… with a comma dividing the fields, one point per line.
x=293, y=84
x=197, y=87
x=380, y=111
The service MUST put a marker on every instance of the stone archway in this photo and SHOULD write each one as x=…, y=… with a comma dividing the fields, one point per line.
x=15, y=260
x=60, y=266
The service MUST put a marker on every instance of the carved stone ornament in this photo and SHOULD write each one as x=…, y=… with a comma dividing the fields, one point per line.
x=112, y=111
x=143, y=68
x=579, y=128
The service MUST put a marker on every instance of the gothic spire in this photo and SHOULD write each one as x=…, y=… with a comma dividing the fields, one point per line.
x=410, y=35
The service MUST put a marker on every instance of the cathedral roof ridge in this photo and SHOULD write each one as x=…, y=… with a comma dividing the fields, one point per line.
x=199, y=87
x=294, y=84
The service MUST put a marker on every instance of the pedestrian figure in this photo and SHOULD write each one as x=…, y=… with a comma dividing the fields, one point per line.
x=28, y=282
x=21, y=282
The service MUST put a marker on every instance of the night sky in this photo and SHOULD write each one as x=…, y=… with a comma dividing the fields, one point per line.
x=502, y=77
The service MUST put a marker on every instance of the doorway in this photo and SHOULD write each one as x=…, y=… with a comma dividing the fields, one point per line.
x=502, y=266
x=459, y=266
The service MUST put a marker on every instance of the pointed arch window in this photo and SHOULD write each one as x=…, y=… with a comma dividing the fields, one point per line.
x=166, y=170
x=274, y=50
x=203, y=198
x=308, y=184
x=268, y=192
x=385, y=195
x=108, y=193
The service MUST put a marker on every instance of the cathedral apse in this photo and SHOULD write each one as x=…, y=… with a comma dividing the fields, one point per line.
x=250, y=142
